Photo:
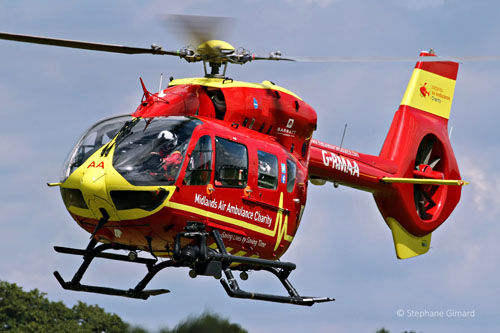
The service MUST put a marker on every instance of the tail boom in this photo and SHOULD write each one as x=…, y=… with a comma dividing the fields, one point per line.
x=349, y=168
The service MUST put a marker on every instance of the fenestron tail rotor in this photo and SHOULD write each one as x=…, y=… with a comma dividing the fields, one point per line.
x=427, y=165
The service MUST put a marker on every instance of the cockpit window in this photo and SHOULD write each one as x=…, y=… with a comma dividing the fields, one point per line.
x=93, y=139
x=151, y=151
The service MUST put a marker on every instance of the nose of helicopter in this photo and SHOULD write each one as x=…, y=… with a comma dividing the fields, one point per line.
x=94, y=189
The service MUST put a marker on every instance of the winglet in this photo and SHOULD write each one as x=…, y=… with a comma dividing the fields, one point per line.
x=407, y=245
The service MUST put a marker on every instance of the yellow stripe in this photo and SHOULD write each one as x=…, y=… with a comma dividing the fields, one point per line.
x=430, y=92
x=240, y=253
x=280, y=227
x=215, y=216
x=221, y=83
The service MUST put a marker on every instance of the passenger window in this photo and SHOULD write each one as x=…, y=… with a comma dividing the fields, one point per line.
x=268, y=170
x=291, y=170
x=199, y=168
x=231, y=163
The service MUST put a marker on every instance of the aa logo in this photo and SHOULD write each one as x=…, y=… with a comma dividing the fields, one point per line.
x=93, y=165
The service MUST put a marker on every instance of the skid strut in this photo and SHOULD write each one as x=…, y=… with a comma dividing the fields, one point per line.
x=196, y=255
x=279, y=269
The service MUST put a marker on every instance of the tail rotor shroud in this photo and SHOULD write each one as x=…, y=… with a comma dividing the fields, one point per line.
x=428, y=165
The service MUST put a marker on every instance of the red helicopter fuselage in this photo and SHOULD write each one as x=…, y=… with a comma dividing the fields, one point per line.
x=256, y=204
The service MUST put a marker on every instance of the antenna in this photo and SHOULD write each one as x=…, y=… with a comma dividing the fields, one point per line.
x=343, y=135
x=161, y=79
x=335, y=184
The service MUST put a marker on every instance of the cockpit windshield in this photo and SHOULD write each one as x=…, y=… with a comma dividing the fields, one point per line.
x=152, y=150
x=93, y=139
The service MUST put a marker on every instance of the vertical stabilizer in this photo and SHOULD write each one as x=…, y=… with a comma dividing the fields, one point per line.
x=419, y=144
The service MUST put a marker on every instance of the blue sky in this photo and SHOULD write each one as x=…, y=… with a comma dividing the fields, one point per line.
x=343, y=249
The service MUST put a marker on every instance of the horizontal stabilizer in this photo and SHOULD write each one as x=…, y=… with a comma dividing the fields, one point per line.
x=424, y=181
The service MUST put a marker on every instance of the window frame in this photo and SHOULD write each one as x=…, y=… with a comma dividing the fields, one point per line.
x=292, y=162
x=190, y=155
x=216, y=168
x=276, y=169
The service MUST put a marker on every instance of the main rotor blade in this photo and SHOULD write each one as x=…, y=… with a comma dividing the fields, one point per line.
x=375, y=59
x=85, y=45
x=195, y=29
x=271, y=57
x=369, y=59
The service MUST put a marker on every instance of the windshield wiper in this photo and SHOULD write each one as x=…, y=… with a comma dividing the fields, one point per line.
x=122, y=133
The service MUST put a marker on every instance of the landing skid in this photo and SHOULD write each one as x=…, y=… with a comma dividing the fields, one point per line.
x=202, y=261
x=97, y=252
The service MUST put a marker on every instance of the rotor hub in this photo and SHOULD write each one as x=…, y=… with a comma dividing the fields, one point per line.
x=215, y=48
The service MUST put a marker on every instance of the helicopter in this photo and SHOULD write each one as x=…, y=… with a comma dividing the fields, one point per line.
x=212, y=174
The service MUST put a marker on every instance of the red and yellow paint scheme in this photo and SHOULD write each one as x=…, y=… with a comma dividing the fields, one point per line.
x=258, y=205
x=415, y=180
x=212, y=173
x=258, y=215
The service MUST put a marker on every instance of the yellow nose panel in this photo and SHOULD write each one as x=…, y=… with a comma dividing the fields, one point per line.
x=96, y=178
x=94, y=188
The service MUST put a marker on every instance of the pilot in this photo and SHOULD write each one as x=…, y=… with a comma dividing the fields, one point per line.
x=166, y=142
x=170, y=159
x=171, y=164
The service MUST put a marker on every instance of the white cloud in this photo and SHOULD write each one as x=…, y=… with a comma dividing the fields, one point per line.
x=485, y=187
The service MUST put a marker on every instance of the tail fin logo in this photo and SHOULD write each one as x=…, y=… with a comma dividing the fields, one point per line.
x=423, y=90
x=429, y=92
